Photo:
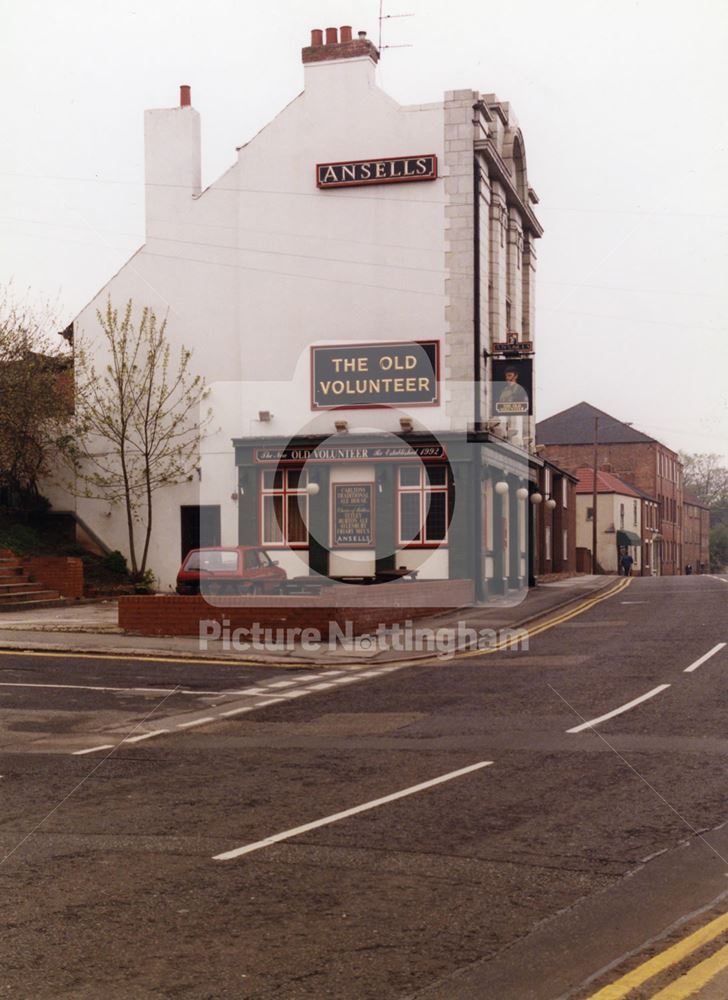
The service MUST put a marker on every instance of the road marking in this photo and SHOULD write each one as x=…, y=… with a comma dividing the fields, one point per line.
x=287, y=834
x=698, y=663
x=321, y=687
x=696, y=978
x=671, y=956
x=144, y=736
x=282, y=684
x=195, y=722
x=618, y=711
x=238, y=711
x=95, y=687
x=104, y=746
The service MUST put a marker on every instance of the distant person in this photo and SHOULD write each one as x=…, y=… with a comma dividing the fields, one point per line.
x=688, y=570
x=626, y=564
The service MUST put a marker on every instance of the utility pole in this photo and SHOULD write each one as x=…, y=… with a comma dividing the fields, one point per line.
x=595, y=495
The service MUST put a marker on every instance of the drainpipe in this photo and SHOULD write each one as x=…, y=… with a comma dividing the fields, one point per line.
x=479, y=582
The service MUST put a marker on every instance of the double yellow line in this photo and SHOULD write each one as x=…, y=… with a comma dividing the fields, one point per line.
x=684, y=986
x=512, y=642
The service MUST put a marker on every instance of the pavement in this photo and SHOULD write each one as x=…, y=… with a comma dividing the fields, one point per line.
x=92, y=628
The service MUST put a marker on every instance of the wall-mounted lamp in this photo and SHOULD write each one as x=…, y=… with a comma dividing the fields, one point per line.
x=522, y=493
x=234, y=496
x=342, y=426
x=406, y=423
x=551, y=504
x=313, y=489
x=265, y=416
x=501, y=488
x=536, y=499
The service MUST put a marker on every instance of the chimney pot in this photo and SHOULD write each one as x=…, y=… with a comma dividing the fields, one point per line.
x=362, y=34
x=317, y=37
x=185, y=96
x=332, y=36
x=345, y=34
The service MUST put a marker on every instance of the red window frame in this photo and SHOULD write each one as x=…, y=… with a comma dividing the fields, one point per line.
x=284, y=491
x=423, y=488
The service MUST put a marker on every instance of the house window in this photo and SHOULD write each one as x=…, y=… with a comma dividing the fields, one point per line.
x=565, y=550
x=621, y=515
x=634, y=513
x=422, y=505
x=285, y=508
x=590, y=513
x=547, y=539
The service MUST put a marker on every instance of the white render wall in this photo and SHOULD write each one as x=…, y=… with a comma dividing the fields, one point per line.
x=262, y=264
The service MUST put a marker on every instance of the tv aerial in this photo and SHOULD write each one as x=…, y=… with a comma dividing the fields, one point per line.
x=389, y=17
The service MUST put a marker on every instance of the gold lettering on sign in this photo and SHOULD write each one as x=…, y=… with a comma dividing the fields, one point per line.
x=329, y=175
x=348, y=172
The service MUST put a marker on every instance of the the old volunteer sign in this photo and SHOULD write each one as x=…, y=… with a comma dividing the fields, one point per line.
x=361, y=375
x=383, y=171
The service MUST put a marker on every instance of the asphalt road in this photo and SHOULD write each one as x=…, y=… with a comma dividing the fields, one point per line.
x=548, y=871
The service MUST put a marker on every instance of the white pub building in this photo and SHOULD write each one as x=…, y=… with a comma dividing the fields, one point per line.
x=358, y=292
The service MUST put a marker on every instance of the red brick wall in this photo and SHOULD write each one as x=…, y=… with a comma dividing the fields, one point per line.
x=638, y=464
x=61, y=573
x=175, y=615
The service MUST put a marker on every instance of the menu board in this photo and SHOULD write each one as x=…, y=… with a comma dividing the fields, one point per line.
x=352, y=521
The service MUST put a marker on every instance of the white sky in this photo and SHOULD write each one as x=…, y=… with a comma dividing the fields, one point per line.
x=623, y=109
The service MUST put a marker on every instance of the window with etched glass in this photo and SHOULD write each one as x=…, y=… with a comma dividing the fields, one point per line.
x=285, y=507
x=422, y=504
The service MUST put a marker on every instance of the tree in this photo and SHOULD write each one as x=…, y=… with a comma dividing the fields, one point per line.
x=719, y=548
x=35, y=398
x=707, y=477
x=137, y=422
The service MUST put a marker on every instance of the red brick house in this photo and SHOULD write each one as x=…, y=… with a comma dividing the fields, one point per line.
x=568, y=439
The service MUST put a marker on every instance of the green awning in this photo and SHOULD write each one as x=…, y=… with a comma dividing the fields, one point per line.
x=627, y=538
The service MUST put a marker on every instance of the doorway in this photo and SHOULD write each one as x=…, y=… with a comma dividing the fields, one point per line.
x=200, y=527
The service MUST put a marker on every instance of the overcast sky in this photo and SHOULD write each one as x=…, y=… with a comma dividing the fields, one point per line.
x=623, y=109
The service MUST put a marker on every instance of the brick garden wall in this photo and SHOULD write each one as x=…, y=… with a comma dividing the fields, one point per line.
x=364, y=607
x=61, y=573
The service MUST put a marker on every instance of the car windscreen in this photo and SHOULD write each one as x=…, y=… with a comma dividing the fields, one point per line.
x=212, y=561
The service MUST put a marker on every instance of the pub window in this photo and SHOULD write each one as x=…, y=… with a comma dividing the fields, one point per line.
x=285, y=508
x=422, y=505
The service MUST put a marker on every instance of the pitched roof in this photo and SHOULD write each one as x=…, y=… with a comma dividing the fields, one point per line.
x=693, y=500
x=607, y=482
x=576, y=426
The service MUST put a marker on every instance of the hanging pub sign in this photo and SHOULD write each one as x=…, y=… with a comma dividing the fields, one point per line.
x=512, y=387
x=362, y=375
x=352, y=520
x=513, y=347
x=388, y=170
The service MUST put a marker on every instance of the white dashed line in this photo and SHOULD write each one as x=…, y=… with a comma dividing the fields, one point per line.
x=302, y=685
x=144, y=736
x=104, y=746
x=698, y=663
x=618, y=711
x=287, y=834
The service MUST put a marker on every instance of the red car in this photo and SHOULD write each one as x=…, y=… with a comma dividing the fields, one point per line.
x=243, y=569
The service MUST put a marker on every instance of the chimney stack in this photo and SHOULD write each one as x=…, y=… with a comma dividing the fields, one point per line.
x=185, y=96
x=339, y=44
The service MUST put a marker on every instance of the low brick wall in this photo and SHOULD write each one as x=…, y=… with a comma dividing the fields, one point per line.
x=61, y=573
x=364, y=608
